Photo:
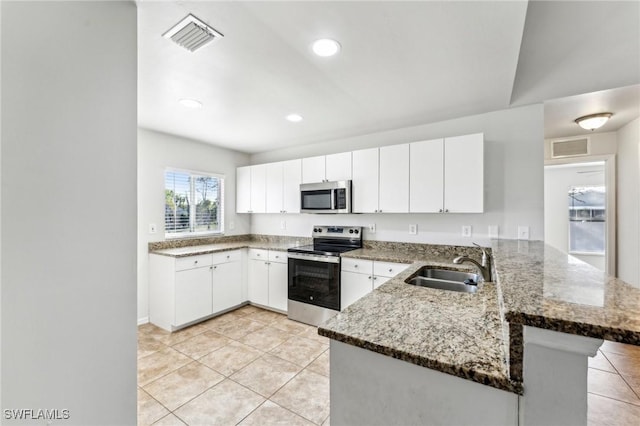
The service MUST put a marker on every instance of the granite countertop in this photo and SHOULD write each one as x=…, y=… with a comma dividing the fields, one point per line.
x=546, y=288
x=456, y=333
x=184, y=248
x=479, y=336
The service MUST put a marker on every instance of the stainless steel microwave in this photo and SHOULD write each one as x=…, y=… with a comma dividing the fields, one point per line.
x=326, y=197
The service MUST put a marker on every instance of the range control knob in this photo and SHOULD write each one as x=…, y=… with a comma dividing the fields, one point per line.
x=351, y=231
x=315, y=229
x=356, y=231
x=319, y=229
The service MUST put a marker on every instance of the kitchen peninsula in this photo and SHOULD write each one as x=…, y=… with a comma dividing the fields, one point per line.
x=545, y=311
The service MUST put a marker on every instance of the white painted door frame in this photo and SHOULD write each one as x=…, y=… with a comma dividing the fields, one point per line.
x=610, y=184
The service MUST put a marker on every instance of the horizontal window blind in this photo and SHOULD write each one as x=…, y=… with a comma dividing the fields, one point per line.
x=193, y=203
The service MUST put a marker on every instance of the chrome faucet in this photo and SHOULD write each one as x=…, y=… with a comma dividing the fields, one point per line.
x=484, y=267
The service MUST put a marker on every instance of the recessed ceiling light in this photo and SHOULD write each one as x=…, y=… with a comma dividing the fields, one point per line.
x=326, y=47
x=294, y=118
x=190, y=103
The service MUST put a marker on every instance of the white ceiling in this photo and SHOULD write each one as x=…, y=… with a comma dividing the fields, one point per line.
x=401, y=64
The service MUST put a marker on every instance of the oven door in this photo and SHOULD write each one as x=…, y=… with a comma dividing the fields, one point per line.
x=315, y=280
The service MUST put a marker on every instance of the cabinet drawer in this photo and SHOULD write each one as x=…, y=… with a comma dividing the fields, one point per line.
x=191, y=262
x=277, y=256
x=357, y=265
x=226, y=256
x=388, y=269
x=259, y=254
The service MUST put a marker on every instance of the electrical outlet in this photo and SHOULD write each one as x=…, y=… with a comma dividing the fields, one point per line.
x=232, y=226
x=413, y=229
x=493, y=231
x=372, y=228
x=466, y=231
x=283, y=224
x=152, y=228
x=523, y=232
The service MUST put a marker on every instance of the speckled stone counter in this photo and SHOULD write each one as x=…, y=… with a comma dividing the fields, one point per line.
x=545, y=288
x=479, y=336
x=456, y=333
x=186, y=247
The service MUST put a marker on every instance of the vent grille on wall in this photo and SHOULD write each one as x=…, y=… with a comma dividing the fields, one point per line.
x=192, y=34
x=569, y=147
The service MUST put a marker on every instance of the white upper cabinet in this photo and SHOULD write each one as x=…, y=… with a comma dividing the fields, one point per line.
x=426, y=181
x=364, y=193
x=283, y=186
x=313, y=169
x=275, y=188
x=326, y=168
x=338, y=166
x=251, y=186
x=243, y=189
x=447, y=175
x=433, y=176
x=464, y=174
x=258, y=188
x=291, y=179
x=394, y=179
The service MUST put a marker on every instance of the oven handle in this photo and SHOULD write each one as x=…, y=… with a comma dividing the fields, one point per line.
x=312, y=257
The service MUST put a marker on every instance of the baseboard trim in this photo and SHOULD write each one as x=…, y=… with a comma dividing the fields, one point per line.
x=143, y=320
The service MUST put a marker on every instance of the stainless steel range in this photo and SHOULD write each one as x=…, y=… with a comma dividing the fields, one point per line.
x=314, y=273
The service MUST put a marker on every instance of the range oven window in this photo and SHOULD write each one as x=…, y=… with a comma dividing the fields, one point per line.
x=317, y=200
x=314, y=282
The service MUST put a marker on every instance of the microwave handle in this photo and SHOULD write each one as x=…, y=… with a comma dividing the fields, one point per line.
x=334, y=197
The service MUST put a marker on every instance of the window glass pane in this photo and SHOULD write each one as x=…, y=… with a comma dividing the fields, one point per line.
x=587, y=219
x=207, y=199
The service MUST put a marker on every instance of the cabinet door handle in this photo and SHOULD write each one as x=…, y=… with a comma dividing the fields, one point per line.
x=390, y=270
x=195, y=261
x=215, y=267
x=375, y=278
x=355, y=266
x=210, y=267
x=446, y=210
x=369, y=277
x=440, y=211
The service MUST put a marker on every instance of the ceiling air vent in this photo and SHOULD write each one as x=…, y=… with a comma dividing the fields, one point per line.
x=192, y=34
x=569, y=147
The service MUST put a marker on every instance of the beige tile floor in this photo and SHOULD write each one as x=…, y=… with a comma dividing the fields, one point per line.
x=247, y=367
x=256, y=367
x=614, y=386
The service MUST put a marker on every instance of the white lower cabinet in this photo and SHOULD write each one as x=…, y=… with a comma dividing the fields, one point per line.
x=359, y=277
x=192, y=295
x=267, y=281
x=186, y=289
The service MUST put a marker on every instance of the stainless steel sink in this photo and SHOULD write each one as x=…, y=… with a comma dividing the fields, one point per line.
x=443, y=279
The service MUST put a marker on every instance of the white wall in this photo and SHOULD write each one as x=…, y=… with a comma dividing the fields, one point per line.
x=557, y=181
x=68, y=209
x=629, y=203
x=156, y=152
x=513, y=181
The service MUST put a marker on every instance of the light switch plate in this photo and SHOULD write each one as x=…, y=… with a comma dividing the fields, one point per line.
x=232, y=226
x=523, y=232
x=153, y=228
x=466, y=231
x=283, y=224
x=413, y=229
x=493, y=231
x=372, y=228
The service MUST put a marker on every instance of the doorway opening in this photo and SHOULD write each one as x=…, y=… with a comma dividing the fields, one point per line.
x=579, y=210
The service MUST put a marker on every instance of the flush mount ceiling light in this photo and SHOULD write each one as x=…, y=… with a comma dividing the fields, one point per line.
x=190, y=103
x=325, y=47
x=294, y=118
x=192, y=34
x=593, y=121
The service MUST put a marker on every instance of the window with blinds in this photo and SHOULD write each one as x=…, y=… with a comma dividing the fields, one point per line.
x=193, y=203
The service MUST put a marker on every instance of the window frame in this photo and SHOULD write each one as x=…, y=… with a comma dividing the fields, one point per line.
x=196, y=173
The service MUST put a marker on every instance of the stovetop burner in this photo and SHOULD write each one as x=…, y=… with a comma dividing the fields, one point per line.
x=332, y=240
